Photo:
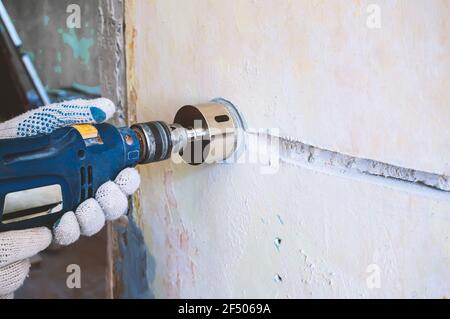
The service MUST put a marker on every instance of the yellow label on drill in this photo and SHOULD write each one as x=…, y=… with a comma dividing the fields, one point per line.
x=87, y=131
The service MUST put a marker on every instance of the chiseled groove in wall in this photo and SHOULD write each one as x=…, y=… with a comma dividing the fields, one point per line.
x=110, y=31
x=295, y=152
x=112, y=66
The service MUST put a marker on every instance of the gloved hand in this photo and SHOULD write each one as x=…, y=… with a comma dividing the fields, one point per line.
x=110, y=200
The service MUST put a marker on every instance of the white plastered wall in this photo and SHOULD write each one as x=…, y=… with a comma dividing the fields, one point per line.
x=314, y=70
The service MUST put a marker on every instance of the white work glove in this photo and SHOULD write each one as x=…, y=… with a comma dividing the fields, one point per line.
x=110, y=202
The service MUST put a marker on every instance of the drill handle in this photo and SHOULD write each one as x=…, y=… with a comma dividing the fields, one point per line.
x=34, y=179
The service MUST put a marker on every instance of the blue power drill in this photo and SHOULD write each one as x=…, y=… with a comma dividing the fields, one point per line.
x=45, y=176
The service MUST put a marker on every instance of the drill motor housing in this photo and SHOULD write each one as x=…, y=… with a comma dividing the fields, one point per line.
x=78, y=164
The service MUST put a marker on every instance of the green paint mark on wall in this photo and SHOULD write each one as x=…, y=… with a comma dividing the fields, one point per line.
x=80, y=47
x=31, y=55
x=58, y=67
x=46, y=20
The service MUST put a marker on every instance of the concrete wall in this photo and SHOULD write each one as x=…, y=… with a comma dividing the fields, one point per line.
x=324, y=74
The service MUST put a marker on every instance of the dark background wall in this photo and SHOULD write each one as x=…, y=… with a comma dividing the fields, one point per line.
x=63, y=56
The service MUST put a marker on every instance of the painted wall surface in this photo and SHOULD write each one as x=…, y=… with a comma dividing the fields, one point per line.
x=314, y=70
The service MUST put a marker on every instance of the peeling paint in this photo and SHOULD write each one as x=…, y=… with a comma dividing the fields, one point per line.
x=179, y=253
x=80, y=47
x=46, y=20
x=58, y=67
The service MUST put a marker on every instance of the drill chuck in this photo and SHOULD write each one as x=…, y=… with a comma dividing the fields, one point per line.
x=155, y=141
